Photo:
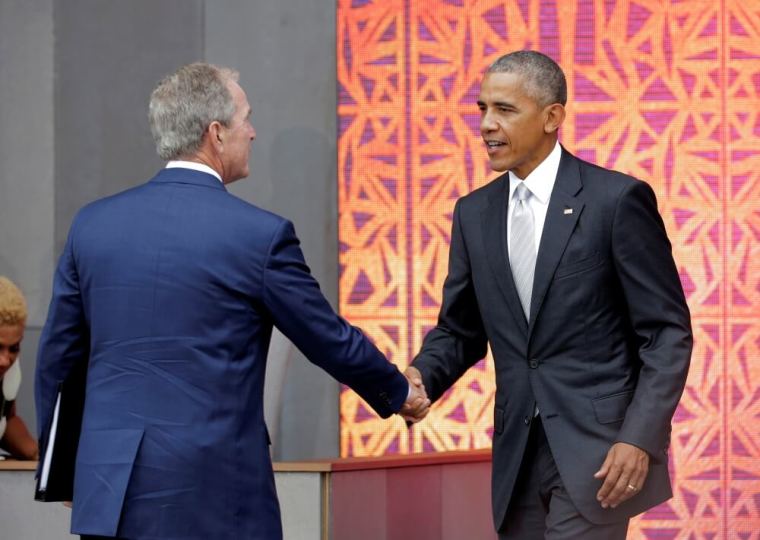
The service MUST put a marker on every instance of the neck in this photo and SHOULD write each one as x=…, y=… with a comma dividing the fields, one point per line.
x=525, y=169
x=208, y=159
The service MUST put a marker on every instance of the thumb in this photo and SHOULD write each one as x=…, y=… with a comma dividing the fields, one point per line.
x=601, y=473
x=414, y=375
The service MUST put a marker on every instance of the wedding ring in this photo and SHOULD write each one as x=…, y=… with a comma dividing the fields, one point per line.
x=632, y=487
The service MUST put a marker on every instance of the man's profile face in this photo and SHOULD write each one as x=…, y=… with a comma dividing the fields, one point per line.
x=237, y=137
x=512, y=124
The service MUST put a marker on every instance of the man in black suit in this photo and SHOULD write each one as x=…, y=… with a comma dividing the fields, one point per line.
x=565, y=269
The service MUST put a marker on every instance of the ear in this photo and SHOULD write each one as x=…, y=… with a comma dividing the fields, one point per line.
x=554, y=116
x=215, y=134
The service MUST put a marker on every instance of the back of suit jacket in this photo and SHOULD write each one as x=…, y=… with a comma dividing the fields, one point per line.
x=606, y=350
x=171, y=289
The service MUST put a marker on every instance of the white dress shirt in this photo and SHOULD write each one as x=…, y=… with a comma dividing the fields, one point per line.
x=540, y=183
x=194, y=165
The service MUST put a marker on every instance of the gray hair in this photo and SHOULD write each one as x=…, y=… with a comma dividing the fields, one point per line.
x=185, y=103
x=543, y=78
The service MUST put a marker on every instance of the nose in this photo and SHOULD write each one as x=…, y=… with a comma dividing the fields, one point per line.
x=486, y=123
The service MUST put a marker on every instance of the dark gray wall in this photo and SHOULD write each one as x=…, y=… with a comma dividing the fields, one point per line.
x=75, y=77
x=285, y=52
x=108, y=57
x=26, y=149
x=27, y=190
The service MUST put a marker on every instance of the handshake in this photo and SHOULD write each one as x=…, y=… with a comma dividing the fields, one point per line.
x=417, y=404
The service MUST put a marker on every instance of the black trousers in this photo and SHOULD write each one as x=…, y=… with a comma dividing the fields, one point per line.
x=541, y=509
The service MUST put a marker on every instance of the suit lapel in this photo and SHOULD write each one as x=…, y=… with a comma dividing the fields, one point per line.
x=561, y=216
x=494, y=225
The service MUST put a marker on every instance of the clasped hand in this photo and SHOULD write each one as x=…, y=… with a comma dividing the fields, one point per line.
x=417, y=404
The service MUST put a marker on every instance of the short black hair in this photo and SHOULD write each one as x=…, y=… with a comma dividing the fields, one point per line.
x=545, y=79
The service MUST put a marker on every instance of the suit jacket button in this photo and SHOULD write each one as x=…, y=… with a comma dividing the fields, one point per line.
x=533, y=363
x=527, y=420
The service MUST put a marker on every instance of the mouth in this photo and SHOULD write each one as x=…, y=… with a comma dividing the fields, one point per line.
x=494, y=146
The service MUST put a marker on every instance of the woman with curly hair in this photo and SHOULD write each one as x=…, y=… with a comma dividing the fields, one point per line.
x=14, y=436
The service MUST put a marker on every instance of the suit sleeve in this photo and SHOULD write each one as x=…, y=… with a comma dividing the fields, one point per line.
x=65, y=339
x=301, y=312
x=659, y=317
x=458, y=341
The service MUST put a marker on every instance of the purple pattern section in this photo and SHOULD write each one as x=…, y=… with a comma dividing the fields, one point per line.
x=549, y=25
x=637, y=17
x=584, y=32
x=585, y=90
x=496, y=19
x=362, y=289
x=609, y=50
x=347, y=56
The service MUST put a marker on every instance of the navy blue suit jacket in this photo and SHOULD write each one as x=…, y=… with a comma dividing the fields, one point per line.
x=170, y=290
x=606, y=350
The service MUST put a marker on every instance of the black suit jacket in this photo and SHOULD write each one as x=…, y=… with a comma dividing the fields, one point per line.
x=606, y=351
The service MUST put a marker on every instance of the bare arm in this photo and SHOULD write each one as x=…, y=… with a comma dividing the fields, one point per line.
x=17, y=440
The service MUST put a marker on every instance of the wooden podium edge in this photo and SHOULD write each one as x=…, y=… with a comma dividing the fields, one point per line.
x=337, y=464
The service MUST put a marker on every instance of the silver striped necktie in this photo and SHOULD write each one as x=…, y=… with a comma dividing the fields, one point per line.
x=522, y=253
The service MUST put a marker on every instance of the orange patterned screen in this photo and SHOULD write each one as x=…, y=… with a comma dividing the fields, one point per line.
x=666, y=90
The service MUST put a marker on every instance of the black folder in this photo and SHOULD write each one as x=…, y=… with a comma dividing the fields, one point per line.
x=65, y=439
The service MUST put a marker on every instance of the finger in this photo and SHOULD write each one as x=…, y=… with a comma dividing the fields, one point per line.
x=631, y=489
x=640, y=474
x=417, y=398
x=621, y=495
x=623, y=490
x=638, y=479
x=414, y=397
x=415, y=416
x=632, y=480
x=421, y=407
x=415, y=407
x=610, y=480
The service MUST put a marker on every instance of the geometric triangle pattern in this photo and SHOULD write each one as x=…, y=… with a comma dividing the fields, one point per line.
x=665, y=90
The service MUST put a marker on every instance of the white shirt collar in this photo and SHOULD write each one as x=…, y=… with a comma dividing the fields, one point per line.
x=194, y=165
x=541, y=180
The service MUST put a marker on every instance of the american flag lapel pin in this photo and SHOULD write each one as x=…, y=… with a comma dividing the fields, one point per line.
x=567, y=211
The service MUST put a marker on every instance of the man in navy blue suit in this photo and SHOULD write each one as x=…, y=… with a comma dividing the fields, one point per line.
x=170, y=291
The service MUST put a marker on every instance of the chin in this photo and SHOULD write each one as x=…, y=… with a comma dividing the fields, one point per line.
x=499, y=166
